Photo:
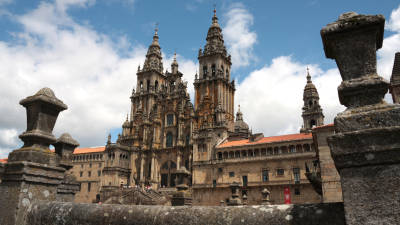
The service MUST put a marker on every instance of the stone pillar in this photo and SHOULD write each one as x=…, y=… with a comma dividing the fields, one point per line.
x=32, y=172
x=65, y=147
x=178, y=159
x=366, y=145
x=182, y=196
x=141, y=177
x=234, y=200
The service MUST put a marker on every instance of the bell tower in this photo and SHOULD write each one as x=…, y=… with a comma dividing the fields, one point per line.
x=214, y=90
x=312, y=111
x=214, y=95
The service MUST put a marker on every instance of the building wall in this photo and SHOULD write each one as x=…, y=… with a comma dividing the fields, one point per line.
x=211, y=179
x=81, y=170
x=331, y=186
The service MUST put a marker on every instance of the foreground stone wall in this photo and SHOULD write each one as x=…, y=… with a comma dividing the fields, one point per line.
x=57, y=213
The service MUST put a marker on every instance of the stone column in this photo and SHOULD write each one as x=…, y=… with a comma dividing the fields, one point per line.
x=141, y=177
x=153, y=172
x=366, y=145
x=32, y=172
x=178, y=159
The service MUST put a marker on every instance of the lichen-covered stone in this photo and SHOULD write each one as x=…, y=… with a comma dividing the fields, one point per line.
x=56, y=213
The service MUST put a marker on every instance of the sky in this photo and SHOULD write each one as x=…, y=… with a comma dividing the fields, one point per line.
x=88, y=51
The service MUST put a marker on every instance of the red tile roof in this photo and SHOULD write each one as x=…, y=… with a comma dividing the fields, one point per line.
x=89, y=150
x=281, y=138
x=77, y=151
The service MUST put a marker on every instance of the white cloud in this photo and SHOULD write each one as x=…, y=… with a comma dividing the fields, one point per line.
x=394, y=23
x=239, y=38
x=390, y=46
x=8, y=140
x=271, y=98
x=82, y=66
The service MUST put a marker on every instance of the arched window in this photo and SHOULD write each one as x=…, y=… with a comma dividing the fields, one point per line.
x=227, y=73
x=141, y=85
x=213, y=70
x=169, y=140
x=310, y=103
x=306, y=147
x=148, y=85
x=312, y=123
x=204, y=71
x=237, y=154
x=156, y=85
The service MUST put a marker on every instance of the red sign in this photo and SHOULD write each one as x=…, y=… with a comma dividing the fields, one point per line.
x=286, y=193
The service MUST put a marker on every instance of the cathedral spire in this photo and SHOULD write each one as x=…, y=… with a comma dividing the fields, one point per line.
x=215, y=40
x=215, y=18
x=312, y=112
x=153, y=57
x=174, y=65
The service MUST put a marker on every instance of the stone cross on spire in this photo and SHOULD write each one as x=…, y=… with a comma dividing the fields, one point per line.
x=308, y=76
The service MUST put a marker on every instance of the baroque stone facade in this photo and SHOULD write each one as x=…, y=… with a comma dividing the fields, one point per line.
x=165, y=134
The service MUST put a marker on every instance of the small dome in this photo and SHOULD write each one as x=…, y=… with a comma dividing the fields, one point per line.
x=126, y=123
x=240, y=125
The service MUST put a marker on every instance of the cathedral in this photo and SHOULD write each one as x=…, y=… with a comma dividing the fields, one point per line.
x=164, y=132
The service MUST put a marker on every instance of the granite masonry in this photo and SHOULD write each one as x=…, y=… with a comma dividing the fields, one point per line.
x=366, y=145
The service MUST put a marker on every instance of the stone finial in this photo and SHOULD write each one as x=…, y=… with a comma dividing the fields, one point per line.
x=42, y=112
x=365, y=146
x=182, y=196
x=352, y=41
x=266, y=197
x=64, y=148
x=234, y=200
x=244, y=197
